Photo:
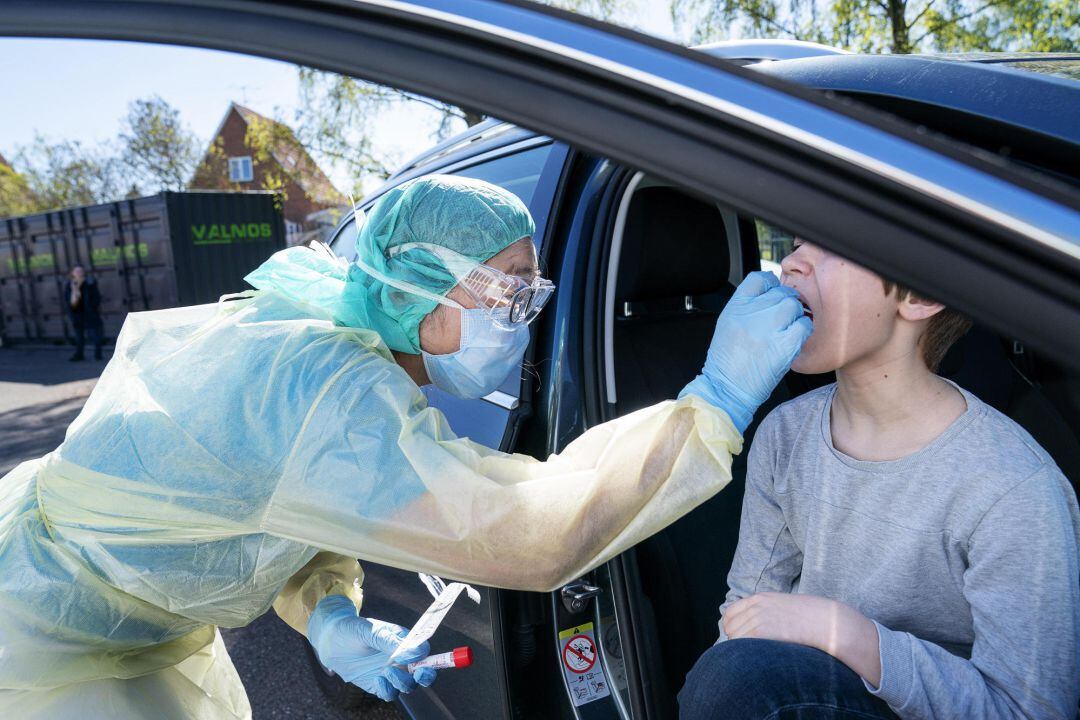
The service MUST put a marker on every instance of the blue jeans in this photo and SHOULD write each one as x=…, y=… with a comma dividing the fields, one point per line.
x=750, y=679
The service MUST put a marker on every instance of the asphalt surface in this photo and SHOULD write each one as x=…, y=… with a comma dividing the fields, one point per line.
x=40, y=394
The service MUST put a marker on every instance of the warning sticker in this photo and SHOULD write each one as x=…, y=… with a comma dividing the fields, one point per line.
x=584, y=675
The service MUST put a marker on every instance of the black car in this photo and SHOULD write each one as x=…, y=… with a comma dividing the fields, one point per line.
x=658, y=177
x=658, y=261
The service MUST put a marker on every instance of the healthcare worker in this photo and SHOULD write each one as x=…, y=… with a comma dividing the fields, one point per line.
x=241, y=455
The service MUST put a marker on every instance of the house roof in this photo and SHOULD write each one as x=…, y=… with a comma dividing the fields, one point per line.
x=292, y=156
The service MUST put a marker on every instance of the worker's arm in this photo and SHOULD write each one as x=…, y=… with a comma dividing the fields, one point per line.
x=378, y=475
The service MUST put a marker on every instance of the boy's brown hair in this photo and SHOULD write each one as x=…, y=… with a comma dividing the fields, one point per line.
x=943, y=330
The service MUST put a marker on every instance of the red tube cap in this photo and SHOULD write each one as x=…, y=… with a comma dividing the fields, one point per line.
x=462, y=657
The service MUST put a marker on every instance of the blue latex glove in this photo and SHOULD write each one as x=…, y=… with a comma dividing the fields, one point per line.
x=359, y=649
x=757, y=337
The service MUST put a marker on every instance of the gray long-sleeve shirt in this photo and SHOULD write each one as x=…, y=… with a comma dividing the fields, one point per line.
x=965, y=556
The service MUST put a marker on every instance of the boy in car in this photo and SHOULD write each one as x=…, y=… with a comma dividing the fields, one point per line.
x=905, y=550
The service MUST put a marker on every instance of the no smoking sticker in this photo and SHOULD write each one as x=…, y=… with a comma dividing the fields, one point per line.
x=585, y=677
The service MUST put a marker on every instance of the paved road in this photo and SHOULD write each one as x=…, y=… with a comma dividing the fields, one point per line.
x=40, y=394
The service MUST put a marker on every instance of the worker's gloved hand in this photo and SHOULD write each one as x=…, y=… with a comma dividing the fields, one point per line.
x=359, y=649
x=757, y=336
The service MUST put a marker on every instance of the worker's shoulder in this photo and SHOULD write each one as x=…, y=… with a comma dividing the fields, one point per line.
x=250, y=349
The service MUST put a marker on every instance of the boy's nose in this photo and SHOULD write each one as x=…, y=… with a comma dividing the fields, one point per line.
x=793, y=265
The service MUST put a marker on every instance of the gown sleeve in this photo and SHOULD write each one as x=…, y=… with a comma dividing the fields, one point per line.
x=377, y=474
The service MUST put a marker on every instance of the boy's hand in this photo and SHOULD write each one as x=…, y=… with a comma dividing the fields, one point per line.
x=803, y=619
x=828, y=625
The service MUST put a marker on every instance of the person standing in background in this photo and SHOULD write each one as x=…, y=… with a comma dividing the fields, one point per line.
x=83, y=301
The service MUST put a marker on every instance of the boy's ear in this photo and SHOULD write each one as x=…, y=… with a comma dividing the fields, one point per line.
x=915, y=308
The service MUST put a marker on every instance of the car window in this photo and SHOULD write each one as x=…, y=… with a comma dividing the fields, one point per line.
x=520, y=173
x=774, y=244
x=517, y=172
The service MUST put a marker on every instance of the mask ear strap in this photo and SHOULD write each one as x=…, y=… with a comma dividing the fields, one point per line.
x=459, y=266
x=406, y=286
x=402, y=285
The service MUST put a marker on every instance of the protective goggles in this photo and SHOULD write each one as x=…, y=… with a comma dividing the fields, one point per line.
x=511, y=300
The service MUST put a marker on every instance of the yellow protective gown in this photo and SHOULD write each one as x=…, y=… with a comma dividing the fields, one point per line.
x=226, y=445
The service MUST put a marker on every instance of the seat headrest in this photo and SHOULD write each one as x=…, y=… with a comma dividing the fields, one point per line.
x=673, y=245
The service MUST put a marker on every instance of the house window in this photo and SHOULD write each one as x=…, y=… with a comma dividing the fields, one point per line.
x=240, y=169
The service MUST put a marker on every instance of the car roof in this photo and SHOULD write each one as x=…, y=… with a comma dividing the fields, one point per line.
x=748, y=51
x=988, y=85
x=482, y=137
x=996, y=86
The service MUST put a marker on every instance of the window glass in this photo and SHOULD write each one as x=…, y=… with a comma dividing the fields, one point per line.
x=519, y=173
x=774, y=245
x=240, y=169
x=1068, y=69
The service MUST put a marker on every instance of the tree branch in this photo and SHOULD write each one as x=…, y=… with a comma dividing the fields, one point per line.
x=770, y=21
x=919, y=17
x=957, y=19
x=441, y=107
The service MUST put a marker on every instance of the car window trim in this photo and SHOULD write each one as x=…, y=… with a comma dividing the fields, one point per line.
x=614, y=255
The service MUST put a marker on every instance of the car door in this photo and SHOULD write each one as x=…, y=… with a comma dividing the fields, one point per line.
x=531, y=170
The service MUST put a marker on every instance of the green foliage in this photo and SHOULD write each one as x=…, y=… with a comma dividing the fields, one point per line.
x=266, y=139
x=63, y=174
x=336, y=115
x=15, y=195
x=1020, y=25
x=897, y=26
x=152, y=152
x=159, y=151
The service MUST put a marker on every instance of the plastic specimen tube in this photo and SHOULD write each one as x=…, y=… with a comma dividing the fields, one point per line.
x=458, y=658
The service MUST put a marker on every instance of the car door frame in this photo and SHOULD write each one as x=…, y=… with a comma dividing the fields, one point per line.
x=552, y=184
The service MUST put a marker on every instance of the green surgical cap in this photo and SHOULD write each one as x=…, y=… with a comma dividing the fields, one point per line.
x=471, y=217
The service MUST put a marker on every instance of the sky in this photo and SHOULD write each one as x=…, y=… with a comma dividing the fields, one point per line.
x=80, y=90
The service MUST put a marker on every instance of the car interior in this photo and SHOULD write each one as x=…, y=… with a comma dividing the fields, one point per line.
x=676, y=260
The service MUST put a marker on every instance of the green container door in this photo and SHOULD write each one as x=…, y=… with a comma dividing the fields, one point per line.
x=218, y=238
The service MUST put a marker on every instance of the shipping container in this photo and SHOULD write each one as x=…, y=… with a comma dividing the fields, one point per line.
x=161, y=251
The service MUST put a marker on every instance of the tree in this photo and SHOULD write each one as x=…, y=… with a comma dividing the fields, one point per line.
x=67, y=173
x=15, y=195
x=160, y=152
x=898, y=26
x=336, y=114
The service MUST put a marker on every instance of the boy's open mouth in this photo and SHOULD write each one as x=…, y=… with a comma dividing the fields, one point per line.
x=806, y=309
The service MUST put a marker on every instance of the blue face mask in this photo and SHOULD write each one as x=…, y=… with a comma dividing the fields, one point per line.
x=487, y=355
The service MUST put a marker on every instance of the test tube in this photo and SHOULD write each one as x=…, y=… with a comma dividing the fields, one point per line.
x=457, y=658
